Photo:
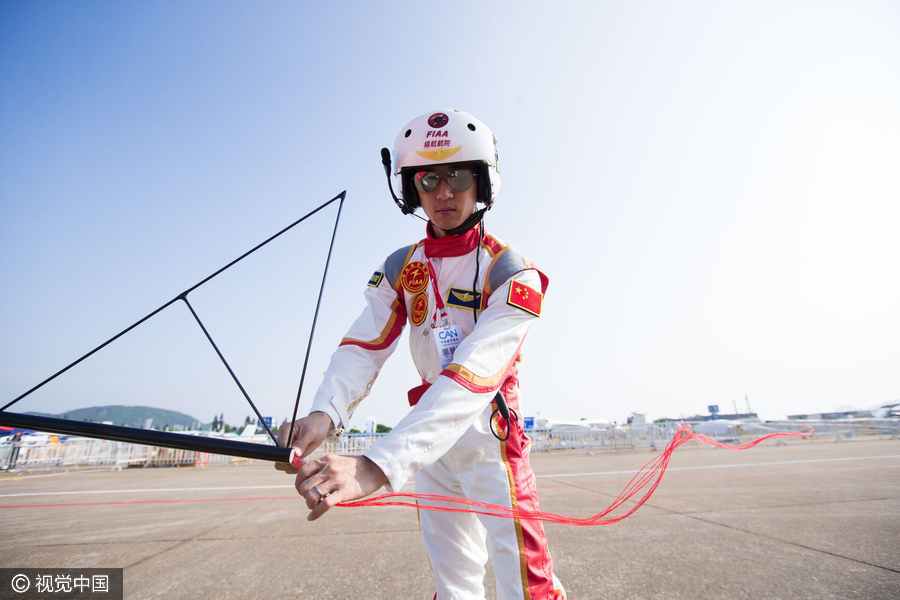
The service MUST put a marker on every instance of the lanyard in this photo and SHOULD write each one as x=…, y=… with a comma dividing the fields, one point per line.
x=448, y=339
x=439, y=302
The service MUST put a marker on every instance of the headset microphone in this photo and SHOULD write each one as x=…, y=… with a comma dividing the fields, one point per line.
x=386, y=161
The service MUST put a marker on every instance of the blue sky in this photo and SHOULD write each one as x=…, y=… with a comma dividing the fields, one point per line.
x=710, y=187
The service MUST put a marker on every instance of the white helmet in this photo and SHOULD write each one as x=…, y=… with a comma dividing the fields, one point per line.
x=445, y=137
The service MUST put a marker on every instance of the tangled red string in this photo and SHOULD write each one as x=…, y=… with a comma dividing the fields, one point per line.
x=653, y=472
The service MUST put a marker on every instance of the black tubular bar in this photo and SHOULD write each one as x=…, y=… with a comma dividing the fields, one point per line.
x=147, y=437
x=181, y=296
x=227, y=366
x=315, y=318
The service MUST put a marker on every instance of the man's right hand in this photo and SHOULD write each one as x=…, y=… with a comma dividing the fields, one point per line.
x=309, y=433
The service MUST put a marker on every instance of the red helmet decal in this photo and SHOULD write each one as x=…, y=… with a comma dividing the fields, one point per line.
x=438, y=120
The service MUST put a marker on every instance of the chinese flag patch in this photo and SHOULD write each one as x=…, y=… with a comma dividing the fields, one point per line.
x=525, y=297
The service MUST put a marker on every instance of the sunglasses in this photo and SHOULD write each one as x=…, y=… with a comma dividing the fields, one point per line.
x=459, y=180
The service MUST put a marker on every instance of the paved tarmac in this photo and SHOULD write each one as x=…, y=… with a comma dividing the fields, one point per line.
x=802, y=520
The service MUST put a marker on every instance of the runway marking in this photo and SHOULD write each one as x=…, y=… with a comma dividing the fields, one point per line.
x=24, y=477
x=274, y=487
x=184, y=500
x=782, y=462
x=292, y=497
x=144, y=491
x=578, y=485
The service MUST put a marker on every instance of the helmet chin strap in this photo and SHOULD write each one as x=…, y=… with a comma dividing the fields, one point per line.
x=468, y=224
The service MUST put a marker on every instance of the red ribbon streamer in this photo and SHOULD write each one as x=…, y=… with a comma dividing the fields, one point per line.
x=653, y=472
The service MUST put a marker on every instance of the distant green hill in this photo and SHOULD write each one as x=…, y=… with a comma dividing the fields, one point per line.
x=130, y=416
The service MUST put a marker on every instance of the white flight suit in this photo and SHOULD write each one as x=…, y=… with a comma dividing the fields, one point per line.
x=445, y=441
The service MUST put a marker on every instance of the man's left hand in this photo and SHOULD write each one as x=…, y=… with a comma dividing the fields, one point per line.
x=337, y=479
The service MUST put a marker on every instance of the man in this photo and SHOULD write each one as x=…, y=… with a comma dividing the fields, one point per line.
x=16, y=442
x=469, y=300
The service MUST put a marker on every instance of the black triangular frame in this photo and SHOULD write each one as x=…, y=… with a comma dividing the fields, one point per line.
x=167, y=439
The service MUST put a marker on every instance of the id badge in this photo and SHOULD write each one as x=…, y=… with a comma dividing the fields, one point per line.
x=447, y=340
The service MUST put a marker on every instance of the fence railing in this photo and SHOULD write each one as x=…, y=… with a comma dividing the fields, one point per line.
x=86, y=453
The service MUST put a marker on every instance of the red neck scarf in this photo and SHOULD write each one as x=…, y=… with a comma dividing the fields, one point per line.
x=450, y=245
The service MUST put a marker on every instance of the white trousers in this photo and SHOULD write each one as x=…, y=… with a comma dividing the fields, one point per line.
x=481, y=467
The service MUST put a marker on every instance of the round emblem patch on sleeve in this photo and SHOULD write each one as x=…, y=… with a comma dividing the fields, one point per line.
x=414, y=277
x=419, y=309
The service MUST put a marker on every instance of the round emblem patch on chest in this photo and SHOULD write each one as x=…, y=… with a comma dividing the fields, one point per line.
x=419, y=309
x=414, y=277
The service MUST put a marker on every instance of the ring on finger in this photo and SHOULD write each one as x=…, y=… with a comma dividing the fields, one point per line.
x=318, y=491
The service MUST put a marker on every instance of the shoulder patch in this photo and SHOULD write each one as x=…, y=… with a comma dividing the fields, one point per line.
x=395, y=262
x=462, y=298
x=375, y=279
x=507, y=264
x=525, y=297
